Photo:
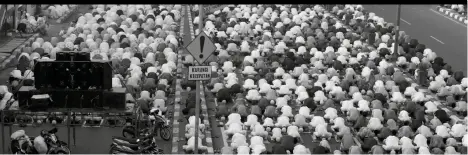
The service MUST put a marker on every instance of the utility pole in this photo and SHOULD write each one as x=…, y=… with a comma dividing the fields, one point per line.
x=197, y=103
x=15, y=15
x=397, y=32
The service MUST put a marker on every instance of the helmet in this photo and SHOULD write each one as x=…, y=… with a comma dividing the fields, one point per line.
x=154, y=111
x=44, y=133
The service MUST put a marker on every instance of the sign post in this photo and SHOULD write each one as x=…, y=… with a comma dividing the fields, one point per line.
x=197, y=83
x=199, y=73
x=201, y=49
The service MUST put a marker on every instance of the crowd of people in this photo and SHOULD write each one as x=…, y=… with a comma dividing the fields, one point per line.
x=139, y=40
x=460, y=9
x=294, y=62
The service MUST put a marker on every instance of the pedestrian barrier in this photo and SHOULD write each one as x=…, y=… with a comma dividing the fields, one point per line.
x=452, y=14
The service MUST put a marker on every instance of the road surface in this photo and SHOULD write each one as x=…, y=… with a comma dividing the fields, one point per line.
x=445, y=36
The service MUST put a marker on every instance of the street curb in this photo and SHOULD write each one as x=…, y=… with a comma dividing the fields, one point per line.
x=17, y=51
x=73, y=9
x=450, y=14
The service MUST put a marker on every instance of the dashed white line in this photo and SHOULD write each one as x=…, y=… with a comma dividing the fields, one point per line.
x=224, y=136
x=453, y=20
x=437, y=40
x=380, y=7
x=405, y=21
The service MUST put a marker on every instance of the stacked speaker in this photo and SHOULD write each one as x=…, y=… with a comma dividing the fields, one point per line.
x=79, y=75
x=73, y=70
x=74, y=81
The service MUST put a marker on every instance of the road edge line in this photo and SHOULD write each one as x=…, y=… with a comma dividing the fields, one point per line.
x=177, y=95
x=223, y=134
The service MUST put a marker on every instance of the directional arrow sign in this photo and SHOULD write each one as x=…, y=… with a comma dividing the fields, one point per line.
x=201, y=47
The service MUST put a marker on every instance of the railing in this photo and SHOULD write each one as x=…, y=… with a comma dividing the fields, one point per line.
x=67, y=120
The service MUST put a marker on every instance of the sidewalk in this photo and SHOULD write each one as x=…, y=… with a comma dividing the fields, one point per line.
x=6, y=49
x=8, y=45
x=452, y=14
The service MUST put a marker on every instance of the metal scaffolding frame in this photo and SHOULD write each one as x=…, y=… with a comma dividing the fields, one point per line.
x=79, y=117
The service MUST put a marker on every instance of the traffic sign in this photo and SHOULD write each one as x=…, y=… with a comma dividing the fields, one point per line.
x=199, y=73
x=201, y=47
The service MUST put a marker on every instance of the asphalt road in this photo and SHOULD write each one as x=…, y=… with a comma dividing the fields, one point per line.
x=442, y=34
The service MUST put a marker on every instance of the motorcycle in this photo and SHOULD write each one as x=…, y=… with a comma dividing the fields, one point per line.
x=122, y=145
x=54, y=145
x=159, y=123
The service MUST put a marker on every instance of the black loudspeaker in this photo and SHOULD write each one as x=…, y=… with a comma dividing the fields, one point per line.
x=102, y=75
x=62, y=74
x=73, y=56
x=24, y=96
x=83, y=56
x=114, y=99
x=83, y=75
x=91, y=99
x=79, y=75
x=62, y=56
x=76, y=99
x=44, y=74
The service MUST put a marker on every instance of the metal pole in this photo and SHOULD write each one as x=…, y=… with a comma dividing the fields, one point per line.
x=137, y=124
x=74, y=131
x=3, y=131
x=197, y=103
x=397, y=32
x=197, y=115
x=15, y=12
x=68, y=126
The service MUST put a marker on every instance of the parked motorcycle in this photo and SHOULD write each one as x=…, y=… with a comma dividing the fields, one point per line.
x=54, y=145
x=146, y=145
x=153, y=125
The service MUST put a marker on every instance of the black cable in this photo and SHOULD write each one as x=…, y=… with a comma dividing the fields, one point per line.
x=81, y=101
x=66, y=101
x=94, y=104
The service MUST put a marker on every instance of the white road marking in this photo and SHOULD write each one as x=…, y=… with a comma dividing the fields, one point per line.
x=223, y=134
x=437, y=40
x=405, y=21
x=380, y=7
x=447, y=17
